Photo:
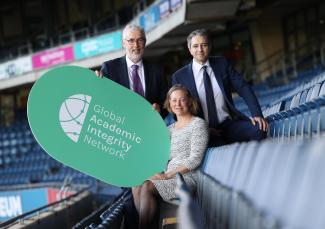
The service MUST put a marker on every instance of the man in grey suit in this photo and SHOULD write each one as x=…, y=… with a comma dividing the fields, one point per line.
x=210, y=80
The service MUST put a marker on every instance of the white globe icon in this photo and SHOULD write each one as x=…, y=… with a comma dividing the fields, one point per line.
x=72, y=115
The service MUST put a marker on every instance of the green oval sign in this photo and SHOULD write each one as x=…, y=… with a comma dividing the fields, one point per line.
x=97, y=126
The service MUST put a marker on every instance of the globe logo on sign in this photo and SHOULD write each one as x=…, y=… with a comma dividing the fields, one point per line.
x=72, y=115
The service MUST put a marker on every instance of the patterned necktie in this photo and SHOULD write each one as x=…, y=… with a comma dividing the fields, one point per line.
x=137, y=86
x=212, y=111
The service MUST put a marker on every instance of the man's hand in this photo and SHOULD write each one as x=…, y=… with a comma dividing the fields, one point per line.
x=99, y=74
x=263, y=125
x=156, y=107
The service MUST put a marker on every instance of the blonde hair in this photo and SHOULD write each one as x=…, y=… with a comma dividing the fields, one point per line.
x=193, y=105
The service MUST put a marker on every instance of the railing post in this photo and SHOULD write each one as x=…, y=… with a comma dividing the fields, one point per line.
x=314, y=56
x=30, y=48
x=294, y=64
x=284, y=67
x=322, y=54
x=273, y=70
x=257, y=78
x=72, y=35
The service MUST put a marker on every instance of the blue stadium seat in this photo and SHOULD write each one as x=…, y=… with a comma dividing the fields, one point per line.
x=306, y=205
x=303, y=96
x=293, y=127
x=307, y=124
x=322, y=120
x=286, y=128
x=300, y=124
x=269, y=185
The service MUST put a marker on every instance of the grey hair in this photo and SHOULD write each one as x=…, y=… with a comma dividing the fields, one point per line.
x=132, y=27
x=198, y=32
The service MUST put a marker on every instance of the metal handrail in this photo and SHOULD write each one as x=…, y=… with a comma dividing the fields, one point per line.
x=30, y=186
x=280, y=60
x=22, y=216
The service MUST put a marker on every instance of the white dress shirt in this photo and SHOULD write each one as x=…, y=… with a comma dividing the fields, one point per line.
x=222, y=110
x=129, y=63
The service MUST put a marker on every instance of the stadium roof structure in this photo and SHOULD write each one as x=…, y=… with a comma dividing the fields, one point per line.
x=166, y=27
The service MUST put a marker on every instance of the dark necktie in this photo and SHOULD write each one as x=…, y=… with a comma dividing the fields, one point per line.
x=212, y=111
x=137, y=86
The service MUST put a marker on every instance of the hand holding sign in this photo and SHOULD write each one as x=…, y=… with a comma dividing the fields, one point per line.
x=97, y=126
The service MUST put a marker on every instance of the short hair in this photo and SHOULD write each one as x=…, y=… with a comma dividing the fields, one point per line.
x=193, y=105
x=132, y=27
x=198, y=32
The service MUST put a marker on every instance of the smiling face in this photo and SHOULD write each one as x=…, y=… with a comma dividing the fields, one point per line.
x=199, y=48
x=134, y=42
x=179, y=103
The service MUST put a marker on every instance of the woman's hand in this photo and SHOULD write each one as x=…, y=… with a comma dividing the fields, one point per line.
x=160, y=176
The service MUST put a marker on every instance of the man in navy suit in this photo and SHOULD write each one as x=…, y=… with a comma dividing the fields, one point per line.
x=152, y=83
x=210, y=80
x=140, y=76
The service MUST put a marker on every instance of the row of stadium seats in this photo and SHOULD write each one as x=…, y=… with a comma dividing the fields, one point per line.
x=309, y=123
x=301, y=113
x=33, y=165
x=77, y=31
x=262, y=185
x=270, y=184
x=269, y=98
x=23, y=161
x=109, y=216
x=298, y=112
x=300, y=95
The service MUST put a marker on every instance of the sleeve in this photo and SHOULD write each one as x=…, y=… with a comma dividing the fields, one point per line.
x=198, y=145
x=244, y=90
x=174, y=80
x=105, y=70
x=163, y=88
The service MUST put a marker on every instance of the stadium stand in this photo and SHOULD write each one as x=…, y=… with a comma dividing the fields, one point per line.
x=261, y=185
x=277, y=183
x=54, y=215
x=109, y=215
x=23, y=161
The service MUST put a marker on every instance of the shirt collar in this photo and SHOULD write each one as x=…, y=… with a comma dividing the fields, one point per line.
x=197, y=67
x=130, y=63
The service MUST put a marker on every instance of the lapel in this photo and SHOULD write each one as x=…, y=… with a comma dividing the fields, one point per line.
x=218, y=75
x=190, y=83
x=124, y=73
x=147, y=78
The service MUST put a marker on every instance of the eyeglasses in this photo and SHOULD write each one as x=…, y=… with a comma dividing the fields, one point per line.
x=133, y=41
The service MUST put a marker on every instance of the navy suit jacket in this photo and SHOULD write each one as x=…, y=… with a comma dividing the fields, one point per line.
x=227, y=79
x=156, y=84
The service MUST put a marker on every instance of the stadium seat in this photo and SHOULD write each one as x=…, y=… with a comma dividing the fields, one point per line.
x=303, y=207
x=189, y=213
x=295, y=100
x=273, y=179
x=303, y=96
x=293, y=127
x=322, y=120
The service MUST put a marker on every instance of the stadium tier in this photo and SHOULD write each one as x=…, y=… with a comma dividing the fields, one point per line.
x=279, y=46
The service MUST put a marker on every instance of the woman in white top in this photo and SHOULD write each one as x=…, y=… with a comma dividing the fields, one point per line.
x=189, y=138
